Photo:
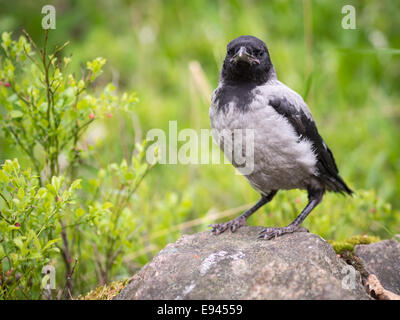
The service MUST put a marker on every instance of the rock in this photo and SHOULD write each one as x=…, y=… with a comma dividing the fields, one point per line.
x=376, y=290
x=383, y=260
x=238, y=266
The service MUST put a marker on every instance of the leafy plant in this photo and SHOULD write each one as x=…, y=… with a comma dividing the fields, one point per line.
x=29, y=228
x=46, y=113
x=113, y=231
x=48, y=110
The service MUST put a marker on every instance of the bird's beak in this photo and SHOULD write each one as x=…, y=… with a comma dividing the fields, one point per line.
x=243, y=55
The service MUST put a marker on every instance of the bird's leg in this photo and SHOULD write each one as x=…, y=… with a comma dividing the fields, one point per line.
x=240, y=221
x=314, y=198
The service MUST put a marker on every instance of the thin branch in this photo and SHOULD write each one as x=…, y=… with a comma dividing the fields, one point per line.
x=31, y=41
x=5, y=219
x=5, y=200
x=57, y=50
x=69, y=278
x=28, y=152
x=30, y=58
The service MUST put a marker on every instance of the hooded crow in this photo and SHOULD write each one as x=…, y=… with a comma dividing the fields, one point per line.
x=288, y=151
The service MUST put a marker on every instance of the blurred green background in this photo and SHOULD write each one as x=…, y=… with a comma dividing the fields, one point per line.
x=170, y=53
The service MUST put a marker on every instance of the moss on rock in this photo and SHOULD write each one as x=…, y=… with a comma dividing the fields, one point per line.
x=106, y=292
x=350, y=243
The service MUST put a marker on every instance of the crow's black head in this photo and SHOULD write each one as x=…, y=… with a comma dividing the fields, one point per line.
x=247, y=61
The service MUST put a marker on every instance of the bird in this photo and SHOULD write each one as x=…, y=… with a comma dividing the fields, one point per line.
x=288, y=151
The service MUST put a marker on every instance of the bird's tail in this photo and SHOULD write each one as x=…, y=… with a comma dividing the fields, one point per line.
x=337, y=184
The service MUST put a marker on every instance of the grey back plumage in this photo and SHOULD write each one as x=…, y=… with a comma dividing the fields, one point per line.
x=297, y=113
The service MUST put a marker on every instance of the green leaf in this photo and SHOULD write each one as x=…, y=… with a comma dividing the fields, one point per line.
x=35, y=256
x=13, y=98
x=107, y=205
x=6, y=38
x=36, y=240
x=56, y=183
x=76, y=184
x=2, y=253
x=54, y=250
x=11, y=227
x=50, y=243
x=41, y=193
x=51, y=188
x=21, y=193
x=15, y=114
x=79, y=212
x=18, y=242
x=3, y=177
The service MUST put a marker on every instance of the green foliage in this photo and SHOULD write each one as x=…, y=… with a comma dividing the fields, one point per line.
x=48, y=110
x=113, y=230
x=29, y=228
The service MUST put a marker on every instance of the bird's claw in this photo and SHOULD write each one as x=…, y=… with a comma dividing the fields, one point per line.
x=233, y=225
x=270, y=233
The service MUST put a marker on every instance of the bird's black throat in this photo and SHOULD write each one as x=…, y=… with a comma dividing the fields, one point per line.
x=240, y=95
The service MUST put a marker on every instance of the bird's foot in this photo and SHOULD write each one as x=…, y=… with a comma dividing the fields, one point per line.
x=233, y=225
x=269, y=233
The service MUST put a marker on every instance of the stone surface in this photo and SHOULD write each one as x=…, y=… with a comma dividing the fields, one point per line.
x=383, y=260
x=238, y=266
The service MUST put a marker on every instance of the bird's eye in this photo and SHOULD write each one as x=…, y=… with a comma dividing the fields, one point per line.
x=258, y=52
x=231, y=51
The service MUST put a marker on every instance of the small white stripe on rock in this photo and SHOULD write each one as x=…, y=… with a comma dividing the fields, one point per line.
x=216, y=257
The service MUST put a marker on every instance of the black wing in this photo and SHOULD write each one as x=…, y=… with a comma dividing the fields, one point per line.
x=305, y=127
